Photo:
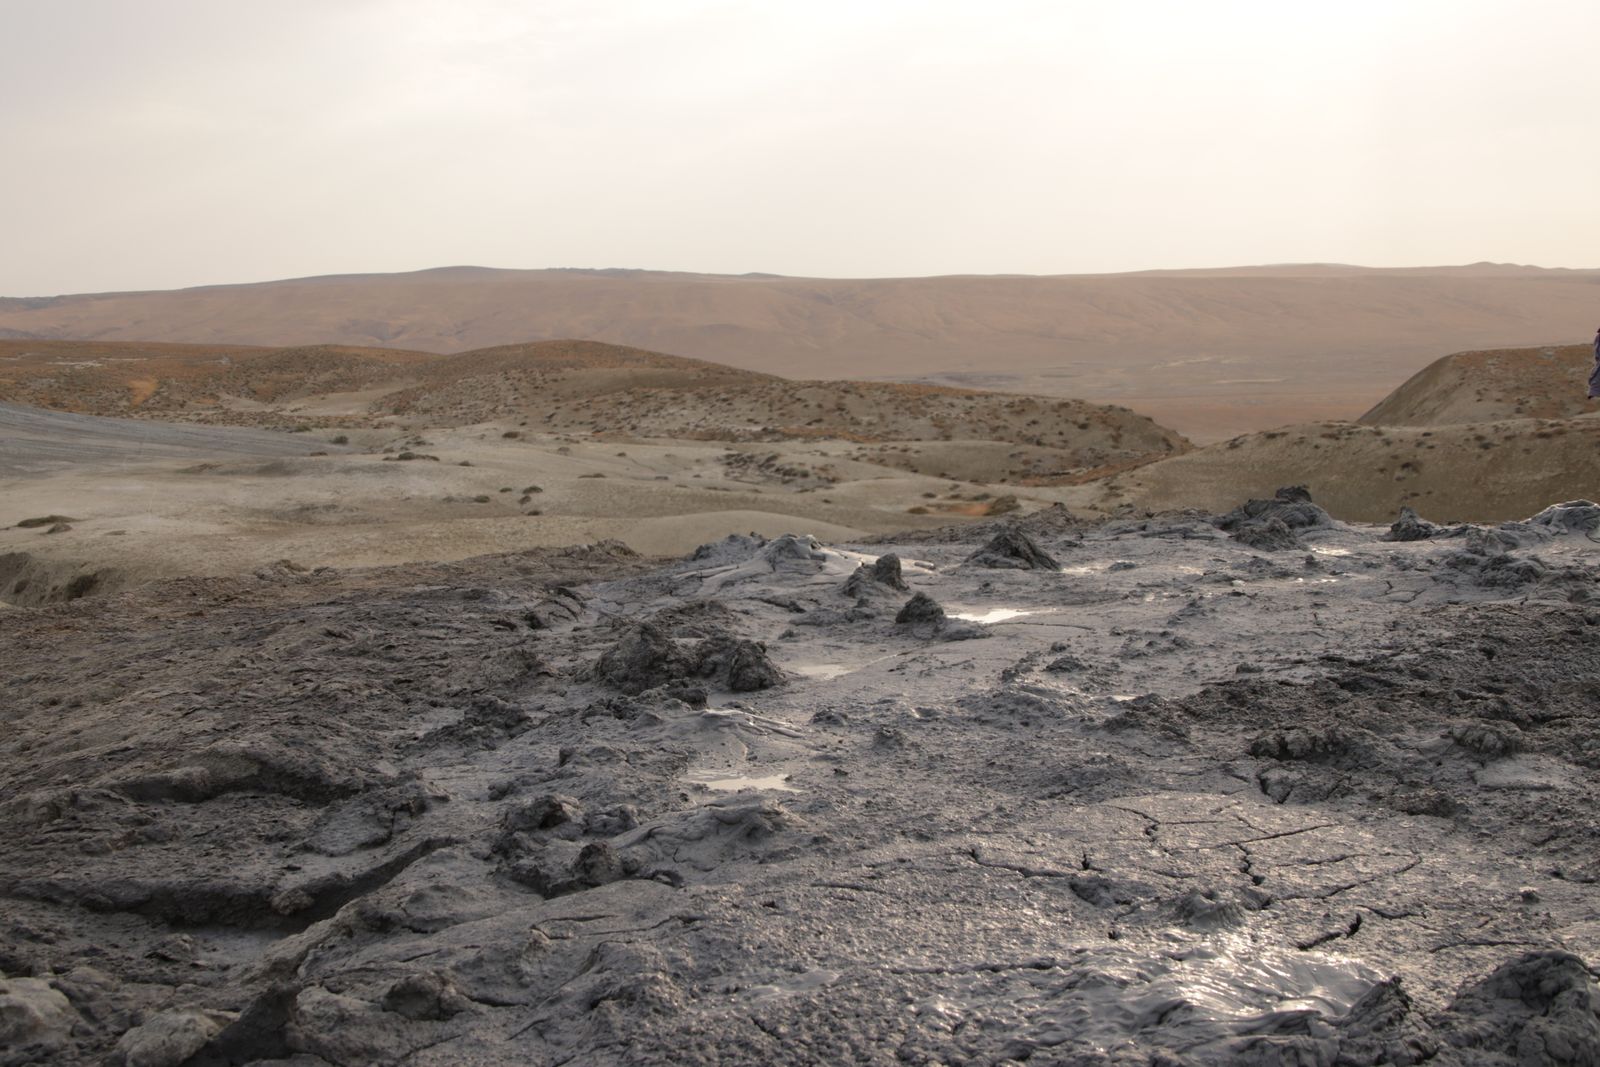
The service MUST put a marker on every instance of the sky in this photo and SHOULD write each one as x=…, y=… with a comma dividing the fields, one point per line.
x=152, y=144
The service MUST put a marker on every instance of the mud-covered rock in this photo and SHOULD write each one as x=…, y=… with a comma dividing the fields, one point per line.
x=36, y=1021
x=1011, y=548
x=170, y=1038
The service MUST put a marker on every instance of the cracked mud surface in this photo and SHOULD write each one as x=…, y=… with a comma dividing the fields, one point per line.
x=1177, y=801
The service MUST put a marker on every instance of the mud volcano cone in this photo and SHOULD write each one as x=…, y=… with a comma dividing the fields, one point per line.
x=1014, y=549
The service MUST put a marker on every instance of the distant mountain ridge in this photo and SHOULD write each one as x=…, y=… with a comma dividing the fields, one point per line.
x=1238, y=348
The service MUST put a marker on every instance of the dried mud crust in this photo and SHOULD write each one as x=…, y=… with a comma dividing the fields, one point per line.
x=1189, y=802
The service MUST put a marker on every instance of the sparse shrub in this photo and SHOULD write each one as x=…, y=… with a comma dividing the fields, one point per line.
x=512, y=434
x=918, y=510
x=340, y=439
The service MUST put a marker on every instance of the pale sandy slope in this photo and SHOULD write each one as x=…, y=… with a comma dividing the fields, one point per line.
x=1548, y=383
x=1210, y=353
x=214, y=511
x=1480, y=436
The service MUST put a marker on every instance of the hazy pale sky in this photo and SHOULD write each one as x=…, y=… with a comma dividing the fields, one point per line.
x=164, y=143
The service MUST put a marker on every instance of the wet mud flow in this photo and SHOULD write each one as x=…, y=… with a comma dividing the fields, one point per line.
x=1258, y=788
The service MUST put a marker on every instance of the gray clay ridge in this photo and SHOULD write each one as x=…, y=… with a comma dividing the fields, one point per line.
x=1262, y=788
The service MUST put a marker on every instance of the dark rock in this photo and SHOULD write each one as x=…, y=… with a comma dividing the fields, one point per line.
x=1011, y=548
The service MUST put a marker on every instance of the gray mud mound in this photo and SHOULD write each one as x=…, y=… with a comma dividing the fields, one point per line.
x=1484, y=563
x=921, y=610
x=924, y=617
x=1542, y=1007
x=1412, y=527
x=1269, y=535
x=735, y=548
x=792, y=551
x=881, y=578
x=1011, y=548
x=737, y=664
x=1291, y=505
x=1574, y=516
x=646, y=658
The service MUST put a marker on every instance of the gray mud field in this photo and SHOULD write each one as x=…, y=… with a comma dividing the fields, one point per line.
x=1186, y=789
x=34, y=440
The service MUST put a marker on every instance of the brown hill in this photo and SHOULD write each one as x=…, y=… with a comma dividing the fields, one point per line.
x=1478, y=472
x=1214, y=352
x=584, y=387
x=1545, y=383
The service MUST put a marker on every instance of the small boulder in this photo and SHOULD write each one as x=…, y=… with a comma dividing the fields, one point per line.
x=170, y=1038
x=35, y=1020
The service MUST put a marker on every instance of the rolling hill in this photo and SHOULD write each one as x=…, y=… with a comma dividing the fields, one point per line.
x=1545, y=383
x=582, y=387
x=1212, y=352
x=1474, y=436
